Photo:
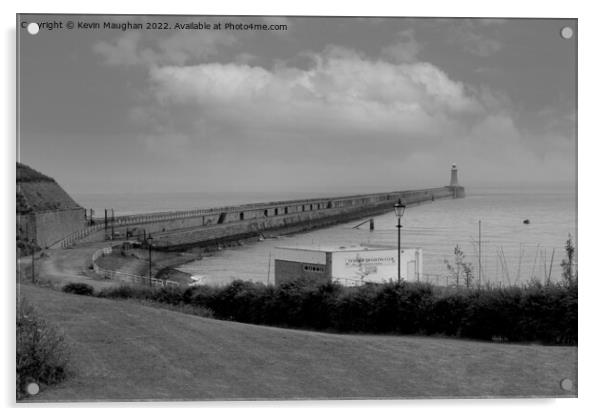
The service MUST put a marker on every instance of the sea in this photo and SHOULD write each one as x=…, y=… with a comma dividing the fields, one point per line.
x=506, y=251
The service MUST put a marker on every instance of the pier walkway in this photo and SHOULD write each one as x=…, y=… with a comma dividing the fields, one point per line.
x=198, y=225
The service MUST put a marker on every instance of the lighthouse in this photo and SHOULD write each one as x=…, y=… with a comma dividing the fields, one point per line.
x=457, y=190
x=454, y=176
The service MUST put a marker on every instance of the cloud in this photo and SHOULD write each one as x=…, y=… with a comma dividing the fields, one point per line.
x=336, y=112
x=471, y=35
x=340, y=80
x=178, y=49
x=342, y=98
x=495, y=150
x=404, y=49
x=124, y=51
x=172, y=144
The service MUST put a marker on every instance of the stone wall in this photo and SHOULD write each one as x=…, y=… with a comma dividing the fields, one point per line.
x=48, y=227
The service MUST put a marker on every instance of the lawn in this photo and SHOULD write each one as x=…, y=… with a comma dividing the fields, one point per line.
x=122, y=350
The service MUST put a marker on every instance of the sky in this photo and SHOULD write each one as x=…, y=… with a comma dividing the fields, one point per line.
x=327, y=105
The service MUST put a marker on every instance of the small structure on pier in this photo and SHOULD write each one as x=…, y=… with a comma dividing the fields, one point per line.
x=454, y=175
x=347, y=265
x=458, y=191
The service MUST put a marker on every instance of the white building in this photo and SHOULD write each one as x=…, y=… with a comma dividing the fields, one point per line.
x=347, y=265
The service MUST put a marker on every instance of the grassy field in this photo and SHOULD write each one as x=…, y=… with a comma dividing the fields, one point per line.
x=121, y=350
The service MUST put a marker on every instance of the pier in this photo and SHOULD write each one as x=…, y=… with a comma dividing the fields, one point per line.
x=179, y=229
x=201, y=227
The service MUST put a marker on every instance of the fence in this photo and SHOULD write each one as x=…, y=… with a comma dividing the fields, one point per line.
x=72, y=238
x=126, y=277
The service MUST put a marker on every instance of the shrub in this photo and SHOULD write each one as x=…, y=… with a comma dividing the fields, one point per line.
x=175, y=298
x=569, y=269
x=25, y=247
x=550, y=314
x=355, y=308
x=79, y=289
x=126, y=292
x=535, y=313
x=200, y=296
x=319, y=304
x=169, y=295
x=41, y=351
x=240, y=301
x=446, y=314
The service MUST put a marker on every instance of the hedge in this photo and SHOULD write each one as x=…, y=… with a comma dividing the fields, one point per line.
x=534, y=313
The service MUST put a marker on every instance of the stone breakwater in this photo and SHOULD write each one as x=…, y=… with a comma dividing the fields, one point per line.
x=205, y=227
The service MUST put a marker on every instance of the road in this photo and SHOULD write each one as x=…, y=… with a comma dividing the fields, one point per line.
x=57, y=267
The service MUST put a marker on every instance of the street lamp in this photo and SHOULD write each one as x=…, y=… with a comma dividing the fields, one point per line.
x=33, y=261
x=399, y=210
x=149, y=241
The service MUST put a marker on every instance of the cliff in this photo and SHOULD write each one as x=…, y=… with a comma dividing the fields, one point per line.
x=37, y=192
x=45, y=212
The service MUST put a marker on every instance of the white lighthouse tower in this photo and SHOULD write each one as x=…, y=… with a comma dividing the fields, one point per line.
x=454, y=176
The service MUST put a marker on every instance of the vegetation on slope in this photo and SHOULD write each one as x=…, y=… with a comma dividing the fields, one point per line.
x=535, y=313
x=28, y=174
x=38, y=192
x=123, y=350
x=41, y=352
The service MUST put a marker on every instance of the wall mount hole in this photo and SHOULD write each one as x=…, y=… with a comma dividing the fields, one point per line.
x=33, y=389
x=33, y=28
x=566, y=32
x=566, y=384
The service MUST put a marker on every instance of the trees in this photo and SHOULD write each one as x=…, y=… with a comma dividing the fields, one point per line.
x=460, y=270
x=569, y=267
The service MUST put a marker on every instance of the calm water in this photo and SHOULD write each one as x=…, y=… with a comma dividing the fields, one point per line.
x=510, y=250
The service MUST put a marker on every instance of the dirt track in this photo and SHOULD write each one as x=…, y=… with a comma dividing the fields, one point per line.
x=61, y=266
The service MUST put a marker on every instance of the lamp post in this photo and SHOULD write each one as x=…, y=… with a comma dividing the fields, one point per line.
x=33, y=261
x=399, y=210
x=150, y=246
x=112, y=224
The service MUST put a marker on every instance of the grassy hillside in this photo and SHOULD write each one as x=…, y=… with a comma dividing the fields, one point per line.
x=126, y=351
x=28, y=174
x=38, y=192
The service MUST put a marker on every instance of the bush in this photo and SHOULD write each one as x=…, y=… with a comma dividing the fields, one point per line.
x=200, y=296
x=25, y=248
x=240, y=301
x=536, y=313
x=175, y=298
x=169, y=295
x=402, y=308
x=41, y=351
x=126, y=292
x=447, y=313
x=319, y=306
x=78, y=289
x=355, y=308
x=550, y=314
